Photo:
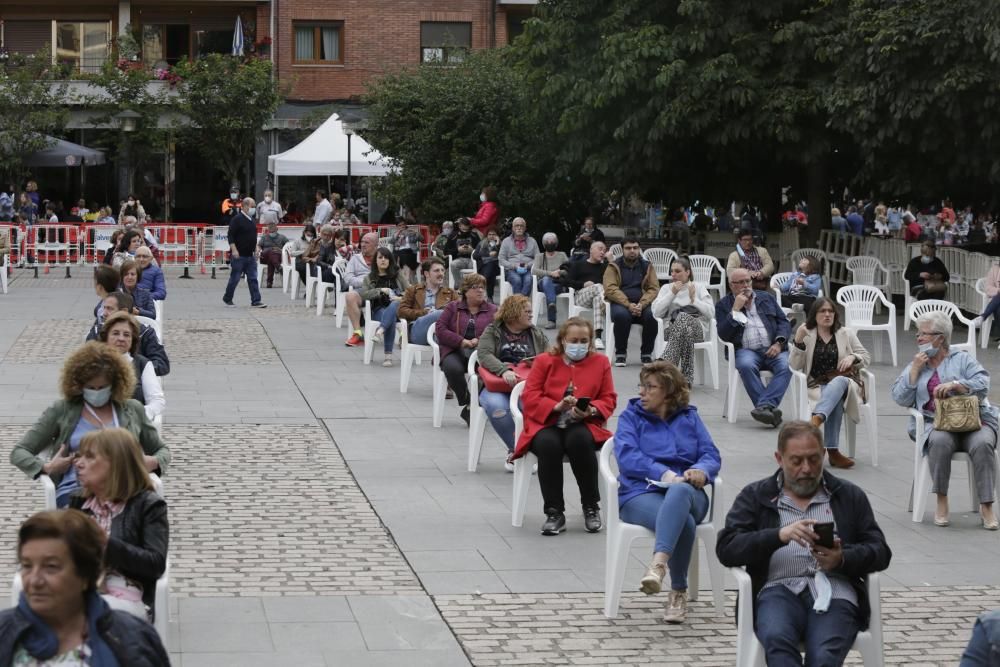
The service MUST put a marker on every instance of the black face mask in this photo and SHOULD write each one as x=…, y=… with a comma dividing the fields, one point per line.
x=551, y=246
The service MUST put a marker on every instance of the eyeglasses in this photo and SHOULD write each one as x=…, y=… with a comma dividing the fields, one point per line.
x=742, y=282
x=928, y=333
x=647, y=387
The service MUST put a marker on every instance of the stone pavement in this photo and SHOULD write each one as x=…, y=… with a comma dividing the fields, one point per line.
x=318, y=518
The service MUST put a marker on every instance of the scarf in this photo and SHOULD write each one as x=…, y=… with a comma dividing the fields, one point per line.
x=41, y=642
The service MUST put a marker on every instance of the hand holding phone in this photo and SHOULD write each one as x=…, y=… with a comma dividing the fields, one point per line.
x=825, y=533
x=583, y=404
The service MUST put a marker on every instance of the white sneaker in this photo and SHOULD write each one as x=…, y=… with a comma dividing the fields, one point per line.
x=977, y=321
x=508, y=466
x=598, y=344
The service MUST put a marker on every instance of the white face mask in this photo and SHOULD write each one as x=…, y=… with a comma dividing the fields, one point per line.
x=925, y=259
x=576, y=351
x=482, y=197
x=97, y=398
x=928, y=349
x=267, y=199
x=131, y=202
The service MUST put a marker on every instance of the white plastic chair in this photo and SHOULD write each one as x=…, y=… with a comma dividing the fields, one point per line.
x=152, y=324
x=778, y=281
x=614, y=252
x=918, y=308
x=538, y=304
x=868, y=270
x=573, y=310
x=984, y=330
x=621, y=535
x=371, y=326
x=506, y=289
x=451, y=278
x=321, y=288
x=311, y=279
x=750, y=652
x=439, y=380
x=4, y=268
x=859, y=310
x=411, y=355
x=661, y=259
x=908, y=301
x=702, y=270
x=609, y=333
x=867, y=410
x=522, y=466
x=708, y=348
x=477, y=416
x=288, y=275
x=921, y=486
x=823, y=260
x=158, y=306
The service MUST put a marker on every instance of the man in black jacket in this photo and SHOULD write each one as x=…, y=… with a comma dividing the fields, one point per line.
x=585, y=277
x=243, y=251
x=808, y=593
x=149, y=345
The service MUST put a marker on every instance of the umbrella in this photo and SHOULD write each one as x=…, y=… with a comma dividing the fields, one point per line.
x=238, y=38
x=62, y=153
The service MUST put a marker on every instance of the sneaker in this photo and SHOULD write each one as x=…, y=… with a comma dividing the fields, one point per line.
x=464, y=414
x=508, y=466
x=555, y=523
x=598, y=343
x=229, y=303
x=355, y=339
x=620, y=360
x=387, y=362
x=652, y=582
x=646, y=358
x=258, y=305
x=550, y=325
x=592, y=519
x=675, y=611
x=377, y=337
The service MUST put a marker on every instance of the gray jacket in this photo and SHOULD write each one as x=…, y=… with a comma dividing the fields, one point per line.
x=489, y=342
x=509, y=256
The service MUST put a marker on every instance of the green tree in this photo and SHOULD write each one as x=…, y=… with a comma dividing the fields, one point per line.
x=452, y=130
x=32, y=108
x=226, y=102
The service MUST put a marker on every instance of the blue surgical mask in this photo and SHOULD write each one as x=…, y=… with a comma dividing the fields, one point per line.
x=928, y=349
x=576, y=351
x=97, y=398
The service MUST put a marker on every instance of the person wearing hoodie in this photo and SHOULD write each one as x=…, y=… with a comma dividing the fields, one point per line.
x=665, y=457
x=517, y=255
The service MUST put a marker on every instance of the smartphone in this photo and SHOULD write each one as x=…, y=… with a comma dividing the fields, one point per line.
x=825, y=532
x=583, y=404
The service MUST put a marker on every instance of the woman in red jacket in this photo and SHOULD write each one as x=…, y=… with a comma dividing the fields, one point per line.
x=557, y=424
x=489, y=211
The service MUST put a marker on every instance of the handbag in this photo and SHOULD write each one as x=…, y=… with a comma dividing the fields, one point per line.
x=497, y=384
x=957, y=414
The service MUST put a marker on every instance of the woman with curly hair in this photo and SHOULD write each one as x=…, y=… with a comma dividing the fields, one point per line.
x=97, y=384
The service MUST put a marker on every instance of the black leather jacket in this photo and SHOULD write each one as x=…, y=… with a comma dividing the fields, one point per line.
x=137, y=545
x=133, y=641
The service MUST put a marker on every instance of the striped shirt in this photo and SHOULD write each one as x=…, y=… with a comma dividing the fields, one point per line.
x=754, y=332
x=793, y=565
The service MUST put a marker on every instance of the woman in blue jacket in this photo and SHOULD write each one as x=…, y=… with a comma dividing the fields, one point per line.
x=665, y=458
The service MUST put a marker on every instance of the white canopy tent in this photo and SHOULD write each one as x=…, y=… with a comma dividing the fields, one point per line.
x=324, y=153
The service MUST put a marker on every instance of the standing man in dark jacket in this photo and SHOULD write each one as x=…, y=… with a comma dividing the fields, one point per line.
x=243, y=247
x=754, y=323
x=630, y=286
x=808, y=593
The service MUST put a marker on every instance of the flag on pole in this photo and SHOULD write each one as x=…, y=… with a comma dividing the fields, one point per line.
x=238, y=37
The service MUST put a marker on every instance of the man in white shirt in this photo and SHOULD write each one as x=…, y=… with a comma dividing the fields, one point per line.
x=269, y=210
x=324, y=210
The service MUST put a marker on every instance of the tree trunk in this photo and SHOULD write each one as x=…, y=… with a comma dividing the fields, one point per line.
x=818, y=199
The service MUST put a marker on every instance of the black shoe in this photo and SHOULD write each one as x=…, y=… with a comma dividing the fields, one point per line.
x=646, y=358
x=620, y=360
x=258, y=305
x=765, y=415
x=555, y=523
x=228, y=303
x=465, y=415
x=775, y=417
x=592, y=519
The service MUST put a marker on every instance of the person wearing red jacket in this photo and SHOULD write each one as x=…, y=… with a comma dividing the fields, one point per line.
x=489, y=211
x=557, y=424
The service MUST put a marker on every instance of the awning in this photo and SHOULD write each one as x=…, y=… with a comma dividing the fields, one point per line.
x=62, y=153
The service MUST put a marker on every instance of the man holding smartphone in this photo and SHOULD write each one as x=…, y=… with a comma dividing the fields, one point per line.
x=807, y=540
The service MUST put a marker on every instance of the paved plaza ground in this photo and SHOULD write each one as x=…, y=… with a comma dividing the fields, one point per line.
x=317, y=517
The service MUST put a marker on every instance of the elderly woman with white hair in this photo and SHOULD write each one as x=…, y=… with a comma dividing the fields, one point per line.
x=938, y=373
x=546, y=269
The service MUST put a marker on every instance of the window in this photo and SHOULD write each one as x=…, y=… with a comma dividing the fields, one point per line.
x=214, y=41
x=445, y=43
x=82, y=45
x=321, y=43
x=165, y=43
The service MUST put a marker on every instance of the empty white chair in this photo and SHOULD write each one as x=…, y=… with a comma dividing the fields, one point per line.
x=621, y=535
x=505, y=288
x=750, y=653
x=703, y=267
x=859, y=311
x=867, y=410
x=709, y=350
x=984, y=328
x=661, y=259
x=288, y=275
x=152, y=324
x=918, y=308
x=868, y=270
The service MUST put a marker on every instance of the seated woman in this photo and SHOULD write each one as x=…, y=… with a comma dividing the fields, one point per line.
x=60, y=618
x=304, y=247
x=688, y=311
x=342, y=243
x=121, y=332
x=424, y=302
x=458, y=331
x=97, y=385
x=801, y=289
x=992, y=289
x=109, y=254
x=127, y=245
x=485, y=255
x=510, y=339
x=555, y=426
x=142, y=300
x=546, y=268
x=406, y=247
x=937, y=373
x=832, y=358
x=384, y=287
x=660, y=437
x=115, y=489
x=927, y=274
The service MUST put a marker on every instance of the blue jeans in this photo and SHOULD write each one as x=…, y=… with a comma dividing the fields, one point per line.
x=551, y=288
x=992, y=307
x=750, y=363
x=831, y=406
x=673, y=516
x=520, y=282
x=238, y=266
x=387, y=318
x=984, y=645
x=496, y=405
x=422, y=325
x=791, y=620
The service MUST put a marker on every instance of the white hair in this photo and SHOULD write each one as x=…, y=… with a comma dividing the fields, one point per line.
x=939, y=323
x=549, y=236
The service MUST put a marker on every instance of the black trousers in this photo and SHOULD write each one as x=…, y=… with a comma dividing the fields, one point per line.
x=454, y=366
x=576, y=443
x=490, y=271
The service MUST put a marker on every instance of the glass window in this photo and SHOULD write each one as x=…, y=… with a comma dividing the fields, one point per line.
x=319, y=43
x=82, y=45
x=165, y=44
x=442, y=42
x=215, y=41
x=152, y=43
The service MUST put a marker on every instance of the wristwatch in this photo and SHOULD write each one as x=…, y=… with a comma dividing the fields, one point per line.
x=781, y=340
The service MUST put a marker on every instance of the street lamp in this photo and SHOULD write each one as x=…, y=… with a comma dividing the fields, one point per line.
x=127, y=120
x=351, y=125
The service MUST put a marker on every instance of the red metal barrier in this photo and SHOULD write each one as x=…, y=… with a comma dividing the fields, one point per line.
x=54, y=244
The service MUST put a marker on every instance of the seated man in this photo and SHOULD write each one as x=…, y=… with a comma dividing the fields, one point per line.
x=423, y=303
x=586, y=277
x=810, y=591
x=149, y=344
x=270, y=243
x=754, y=323
x=151, y=277
x=752, y=258
x=630, y=285
x=358, y=268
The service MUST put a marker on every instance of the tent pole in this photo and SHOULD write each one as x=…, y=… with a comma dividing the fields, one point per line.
x=328, y=190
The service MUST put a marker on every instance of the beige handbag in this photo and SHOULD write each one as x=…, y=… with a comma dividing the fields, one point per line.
x=957, y=414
